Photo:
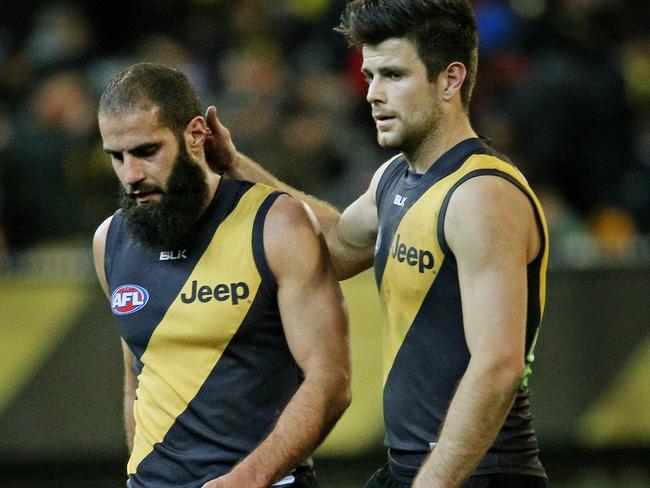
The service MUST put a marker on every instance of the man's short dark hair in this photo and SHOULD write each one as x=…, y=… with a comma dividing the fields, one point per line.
x=443, y=31
x=148, y=85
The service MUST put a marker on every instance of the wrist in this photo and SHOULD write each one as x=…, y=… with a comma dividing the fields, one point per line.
x=247, y=475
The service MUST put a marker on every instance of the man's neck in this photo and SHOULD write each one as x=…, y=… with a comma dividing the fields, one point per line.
x=450, y=132
x=212, y=179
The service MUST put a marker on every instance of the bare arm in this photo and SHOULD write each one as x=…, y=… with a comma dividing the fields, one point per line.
x=130, y=385
x=490, y=227
x=99, y=245
x=315, y=324
x=350, y=236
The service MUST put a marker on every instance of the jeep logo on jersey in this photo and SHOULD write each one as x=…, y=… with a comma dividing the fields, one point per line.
x=412, y=256
x=128, y=299
x=221, y=292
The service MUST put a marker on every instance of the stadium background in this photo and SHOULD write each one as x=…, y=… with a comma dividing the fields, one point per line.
x=564, y=89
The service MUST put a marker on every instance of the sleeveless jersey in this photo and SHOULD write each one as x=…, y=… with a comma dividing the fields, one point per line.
x=425, y=352
x=213, y=367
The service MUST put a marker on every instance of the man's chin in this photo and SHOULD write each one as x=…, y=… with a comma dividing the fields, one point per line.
x=388, y=141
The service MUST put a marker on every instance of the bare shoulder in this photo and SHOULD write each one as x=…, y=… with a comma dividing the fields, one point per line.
x=287, y=216
x=489, y=194
x=292, y=238
x=488, y=212
x=374, y=183
x=359, y=222
x=99, y=246
x=100, y=234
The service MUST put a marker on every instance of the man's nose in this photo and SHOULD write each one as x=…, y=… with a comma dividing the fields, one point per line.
x=132, y=170
x=375, y=92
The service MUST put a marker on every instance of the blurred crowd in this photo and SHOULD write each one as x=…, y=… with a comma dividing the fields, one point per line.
x=563, y=90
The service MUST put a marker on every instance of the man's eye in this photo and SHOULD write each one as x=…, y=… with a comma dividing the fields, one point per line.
x=145, y=152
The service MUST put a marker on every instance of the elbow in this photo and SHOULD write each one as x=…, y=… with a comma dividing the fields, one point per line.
x=510, y=375
x=344, y=395
x=341, y=396
x=505, y=373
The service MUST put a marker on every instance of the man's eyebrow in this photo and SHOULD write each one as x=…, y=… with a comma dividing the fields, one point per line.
x=147, y=146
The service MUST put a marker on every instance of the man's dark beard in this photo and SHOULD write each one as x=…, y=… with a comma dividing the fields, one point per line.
x=168, y=223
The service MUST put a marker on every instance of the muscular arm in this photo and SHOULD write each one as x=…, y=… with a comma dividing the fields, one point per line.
x=315, y=324
x=99, y=245
x=491, y=229
x=350, y=236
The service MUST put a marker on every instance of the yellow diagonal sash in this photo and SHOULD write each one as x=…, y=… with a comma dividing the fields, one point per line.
x=191, y=338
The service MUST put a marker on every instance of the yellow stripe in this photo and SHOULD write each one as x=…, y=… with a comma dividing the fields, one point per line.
x=191, y=338
x=403, y=287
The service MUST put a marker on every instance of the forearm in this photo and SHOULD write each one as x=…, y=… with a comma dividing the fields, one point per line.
x=129, y=419
x=304, y=423
x=475, y=416
x=244, y=168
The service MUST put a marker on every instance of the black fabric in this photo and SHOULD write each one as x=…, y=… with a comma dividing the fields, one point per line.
x=383, y=478
x=305, y=478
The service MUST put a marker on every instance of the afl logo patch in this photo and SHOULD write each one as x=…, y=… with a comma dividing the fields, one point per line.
x=128, y=299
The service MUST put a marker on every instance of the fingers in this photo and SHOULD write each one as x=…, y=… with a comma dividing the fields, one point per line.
x=211, y=118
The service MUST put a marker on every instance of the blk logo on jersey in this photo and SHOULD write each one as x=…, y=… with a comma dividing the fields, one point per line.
x=173, y=255
x=399, y=200
x=412, y=256
x=128, y=299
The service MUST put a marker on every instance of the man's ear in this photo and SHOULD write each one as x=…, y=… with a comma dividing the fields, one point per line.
x=195, y=133
x=453, y=79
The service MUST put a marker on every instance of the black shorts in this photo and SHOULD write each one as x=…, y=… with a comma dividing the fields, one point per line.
x=384, y=479
x=300, y=478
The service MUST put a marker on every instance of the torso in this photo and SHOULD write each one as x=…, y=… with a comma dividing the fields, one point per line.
x=425, y=352
x=214, y=369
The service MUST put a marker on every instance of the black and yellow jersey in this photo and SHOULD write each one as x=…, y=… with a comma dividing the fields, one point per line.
x=213, y=367
x=425, y=352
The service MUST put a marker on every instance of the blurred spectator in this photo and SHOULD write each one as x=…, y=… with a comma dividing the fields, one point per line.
x=564, y=89
x=53, y=135
x=60, y=36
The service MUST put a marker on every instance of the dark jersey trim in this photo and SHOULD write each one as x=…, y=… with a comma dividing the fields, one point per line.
x=487, y=172
x=534, y=313
x=398, y=165
x=259, y=254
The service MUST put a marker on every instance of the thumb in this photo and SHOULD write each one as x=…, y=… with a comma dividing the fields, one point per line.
x=211, y=117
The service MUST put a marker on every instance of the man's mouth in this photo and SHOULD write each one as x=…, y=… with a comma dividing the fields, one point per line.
x=144, y=196
x=383, y=121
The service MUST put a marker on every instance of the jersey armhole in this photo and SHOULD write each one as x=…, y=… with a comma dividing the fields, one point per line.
x=382, y=185
x=259, y=255
x=110, y=244
x=493, y=172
